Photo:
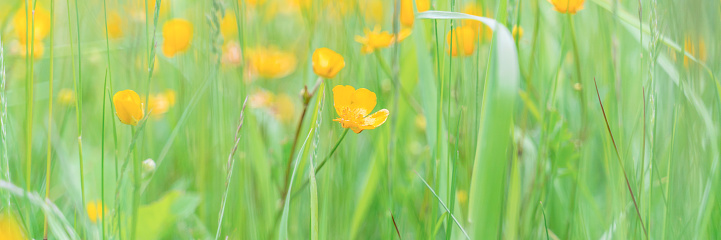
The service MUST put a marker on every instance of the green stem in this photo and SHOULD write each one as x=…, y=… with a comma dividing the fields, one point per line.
x=50, y=116
x=136, y=190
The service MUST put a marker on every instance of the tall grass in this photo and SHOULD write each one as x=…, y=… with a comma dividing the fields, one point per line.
x=506, y=142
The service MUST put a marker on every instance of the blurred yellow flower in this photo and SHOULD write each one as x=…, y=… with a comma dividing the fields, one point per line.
x=407, y=15
x=115, y=25
x=376, y=39
x=10, y=228
x=372, y=10
x=697, y=50
x=229, y=26
x=261, y=98
x=66, y=97
x=327, y=63
x=23, y=22
x=353, y=107
x=517, y=32
x=567, y=6
x=95, y=211
x=177, y=35
x=138, y=9
x=37, y=49
x=128, y=107
x=283, y=108
x=462, y=197
x=270, y=62
x=252, y=2
x=231, y=54
x=483, y=31
x=464, y=39
x=160, y=103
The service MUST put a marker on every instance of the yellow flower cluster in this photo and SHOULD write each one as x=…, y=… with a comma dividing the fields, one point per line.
x=31, y=27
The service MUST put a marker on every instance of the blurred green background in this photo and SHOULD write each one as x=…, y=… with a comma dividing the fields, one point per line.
x=514, y=150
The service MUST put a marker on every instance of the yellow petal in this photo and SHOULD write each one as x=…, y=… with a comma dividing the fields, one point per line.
x=327, y=63
x=177, y=35
x=342, y=97
x=364, y=100
x=375, y=119
x=128, y=107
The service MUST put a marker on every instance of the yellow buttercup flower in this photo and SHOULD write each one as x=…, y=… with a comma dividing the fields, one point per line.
x=463, y=41
x=229, y=25
x=128, y=107
x=66, y=97
x=372, y=10
x=353, y=107
x=95, y=211
x=327, y=63
x=407, y=15
x=517, y=32
x=698, y=50
x=483, y=31
x=115, y=25
x=271, y=63
x=23, y=22
x=10, y=228
x=177, y=35
x=567, y=6
x=376, y=39
x=283, y=108
x=37, y=49
x=159, y=104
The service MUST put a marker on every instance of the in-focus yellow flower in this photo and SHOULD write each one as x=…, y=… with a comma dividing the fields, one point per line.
x=464, y=39
x=567, y=6
x=229, y=26
x=95, y=211
x=66, y=97
x=376, y=39
x=271, y=63
x=160, y=103
x=115, y=25
x=128, y=107
x=483, y=31
x=327, y=63
x=177, y=35
x=407, y=16
x=37, y=49
x=354, y=106
x=10, y=228
x=517, y=32
x=41, y=26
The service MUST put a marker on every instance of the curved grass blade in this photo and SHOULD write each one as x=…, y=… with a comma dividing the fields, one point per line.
x=496, y=122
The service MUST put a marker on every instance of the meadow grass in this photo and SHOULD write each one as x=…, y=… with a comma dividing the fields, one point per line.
x=596, y=123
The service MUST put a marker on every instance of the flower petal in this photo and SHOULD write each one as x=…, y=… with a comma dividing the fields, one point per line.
x=364, y=100
x=342, y=97
x=375, y=119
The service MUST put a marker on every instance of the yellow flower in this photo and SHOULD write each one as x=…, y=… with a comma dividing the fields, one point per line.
x=376, y=39
x=353, y=107
x=517, y=32
x=283, y=108
x=483, y=31
x=327, y=63
x=37, y=49
x=115, y=25
x=138, y=10
x=41, y=26
x=10, y=228
x=159, y=104
x=699, y=52
x=252, y=2
x=463, y=38
x=231, y=54
x=95, y=211
x=462, y=196
x=177, y=34
x=229, y=25
x=271, y=63
x=372, y=10
x=567, y=6
x=66, y=97
x=407, y=16
x=261, y=98
x=128, y=107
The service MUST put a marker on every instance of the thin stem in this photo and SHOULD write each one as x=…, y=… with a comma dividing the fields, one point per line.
x=136, y=189
x=306, y=100
x=608, y=127
x=231, y=163
x=48, y=167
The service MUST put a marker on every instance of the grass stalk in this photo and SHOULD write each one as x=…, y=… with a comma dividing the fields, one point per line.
x=48, y=167
x=230, y=166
